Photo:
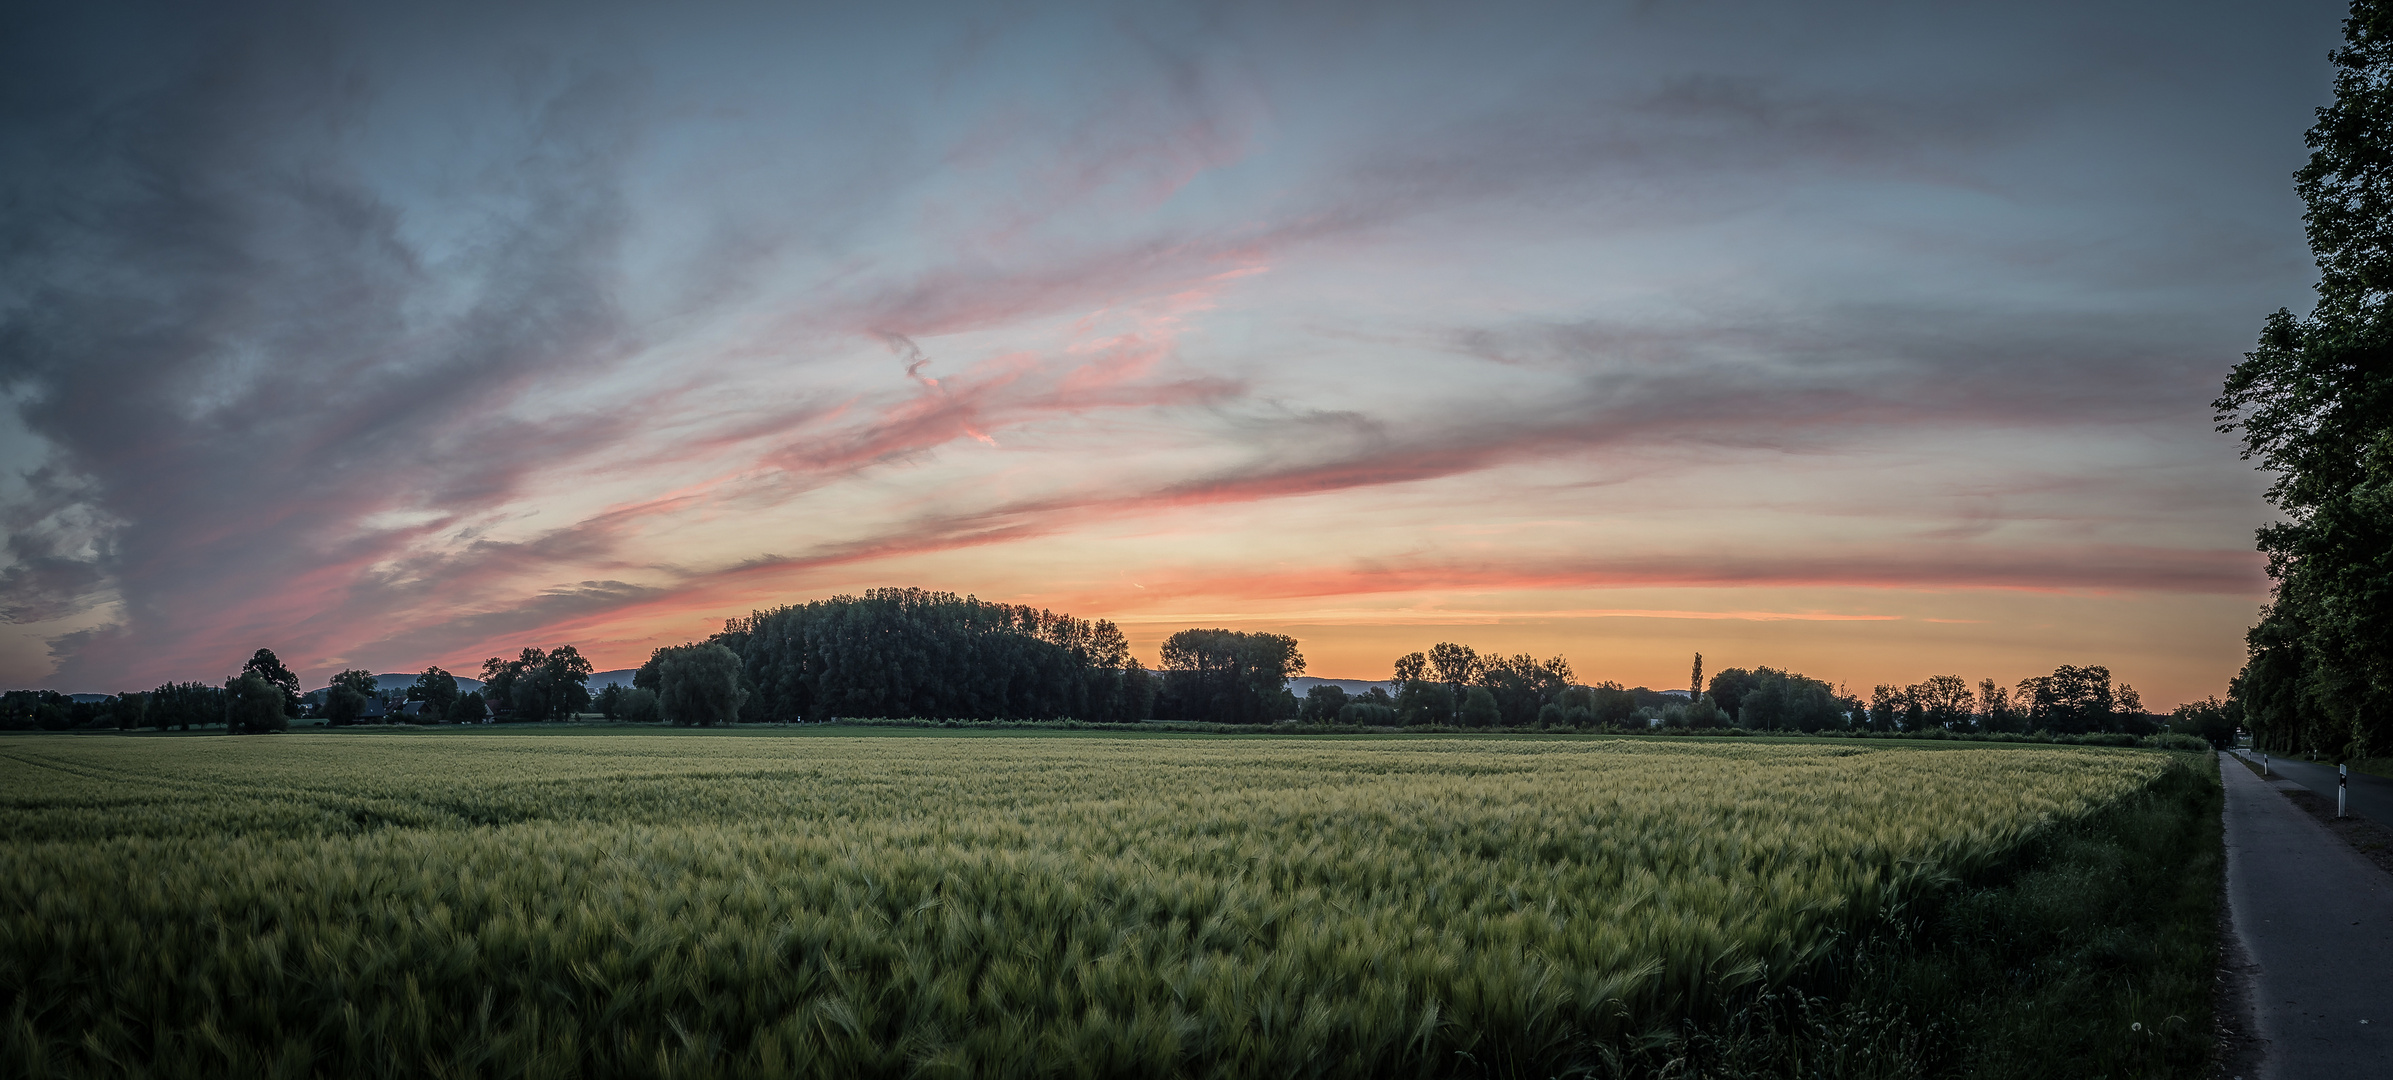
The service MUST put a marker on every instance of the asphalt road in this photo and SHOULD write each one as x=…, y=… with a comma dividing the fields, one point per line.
x=2316, y=921
x=2371, y=796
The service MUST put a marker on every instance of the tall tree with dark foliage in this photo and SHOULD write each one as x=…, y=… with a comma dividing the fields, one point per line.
x=346, y=699
x=701, y=685
x=1228, y=677
x=265, y=665
x=253, y=705
x=2314, y=404
x=537, y=684
x=437, y=689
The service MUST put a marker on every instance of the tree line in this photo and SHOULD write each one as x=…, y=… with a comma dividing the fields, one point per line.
x=936, y=655
x=2073, y=700
x=264, y=696
x=1455, y=685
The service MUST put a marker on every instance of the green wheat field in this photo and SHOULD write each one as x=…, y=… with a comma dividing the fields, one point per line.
x=450, y=904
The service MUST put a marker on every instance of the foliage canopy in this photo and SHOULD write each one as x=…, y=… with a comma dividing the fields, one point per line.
x=2314, y=404
x=912, y=652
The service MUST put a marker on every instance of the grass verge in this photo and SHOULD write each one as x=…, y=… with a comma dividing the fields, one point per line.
x=2373, y=766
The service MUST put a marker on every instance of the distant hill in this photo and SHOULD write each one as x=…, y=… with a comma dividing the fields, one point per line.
x=1302, y=684
x=618, y=677
x=403, y=681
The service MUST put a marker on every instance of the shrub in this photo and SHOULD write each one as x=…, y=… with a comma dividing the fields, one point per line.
x=1363, y=713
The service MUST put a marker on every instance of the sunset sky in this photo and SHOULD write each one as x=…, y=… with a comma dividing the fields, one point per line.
x=1874, y=341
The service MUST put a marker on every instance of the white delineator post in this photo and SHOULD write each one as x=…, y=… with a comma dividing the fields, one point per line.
x=2264, y=764
x=2342, y=786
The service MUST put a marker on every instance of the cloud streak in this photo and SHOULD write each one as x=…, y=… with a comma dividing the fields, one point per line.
x=382, y=336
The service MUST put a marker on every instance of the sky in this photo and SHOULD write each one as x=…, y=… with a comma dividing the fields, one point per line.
x=1868, y=340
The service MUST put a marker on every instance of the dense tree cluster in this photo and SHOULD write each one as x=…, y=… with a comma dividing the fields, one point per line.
x=180, y=706
x=254, y=704
x=910, y=652
x=49, y=710
x=1454, y=684
x=2209, y=719
x=536, y=685
x=1329, y=703
x=2073, y=700
x=346, y=700
x=1767, y=699
x=264, y=696
x=437, y=689
x=356, y=696
x=696, y=685
x=2314, y=404
x=1228, y=677
x=183, y=706
x=269, y=669
x=637, y=704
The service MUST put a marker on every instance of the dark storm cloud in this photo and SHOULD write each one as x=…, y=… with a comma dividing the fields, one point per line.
x=226, y=337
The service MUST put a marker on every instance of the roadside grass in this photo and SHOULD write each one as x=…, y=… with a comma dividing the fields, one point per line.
x=2091, y=951
x=2373, y=766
